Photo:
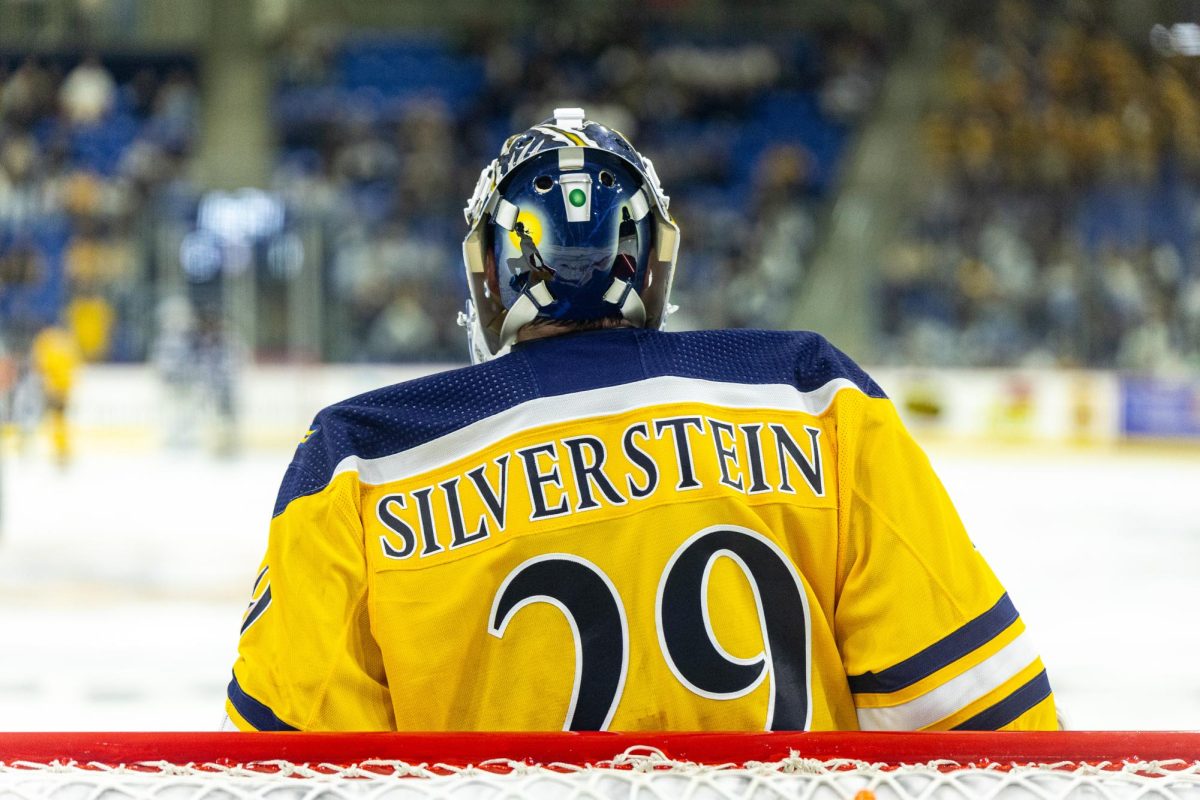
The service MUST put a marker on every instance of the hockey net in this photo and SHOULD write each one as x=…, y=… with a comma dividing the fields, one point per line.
x=854, y=766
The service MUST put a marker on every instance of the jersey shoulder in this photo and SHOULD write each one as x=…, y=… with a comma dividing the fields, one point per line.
x=402, y=416
x=398, y=417
x=803, y=359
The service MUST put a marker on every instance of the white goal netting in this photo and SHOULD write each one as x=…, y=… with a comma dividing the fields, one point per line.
x=641, y=771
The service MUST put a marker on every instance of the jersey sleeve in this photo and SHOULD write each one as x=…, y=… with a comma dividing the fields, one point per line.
x=929, y=637
x=307, y=659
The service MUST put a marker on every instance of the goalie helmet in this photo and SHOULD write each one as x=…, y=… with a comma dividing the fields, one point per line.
x=569, y=223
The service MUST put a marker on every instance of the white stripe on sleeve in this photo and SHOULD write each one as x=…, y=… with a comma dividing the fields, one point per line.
x=954, y=694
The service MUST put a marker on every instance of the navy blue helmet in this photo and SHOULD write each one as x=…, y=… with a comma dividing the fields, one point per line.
x=568, y=224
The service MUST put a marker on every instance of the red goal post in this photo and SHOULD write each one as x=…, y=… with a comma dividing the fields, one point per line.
x=856, y=766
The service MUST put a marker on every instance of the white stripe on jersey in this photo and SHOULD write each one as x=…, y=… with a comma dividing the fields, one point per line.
x=584, y=405
x=953, y=694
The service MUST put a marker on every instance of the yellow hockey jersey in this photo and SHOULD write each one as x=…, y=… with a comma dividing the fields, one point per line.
x=55, y=355
x=628, y=530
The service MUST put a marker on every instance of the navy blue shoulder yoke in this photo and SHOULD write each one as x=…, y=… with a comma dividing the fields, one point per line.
x=398, y=417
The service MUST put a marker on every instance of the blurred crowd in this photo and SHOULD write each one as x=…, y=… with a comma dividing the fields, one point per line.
x=384, y=139
x=1059, y=218
x=380, y=140
x=85, y=154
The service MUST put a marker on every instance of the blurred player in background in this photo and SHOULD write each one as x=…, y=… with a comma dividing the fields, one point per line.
x=55, y=358
x=197, y=362
x=216, y=355
x=173, y=356
x=601, y=525
x=8, y=381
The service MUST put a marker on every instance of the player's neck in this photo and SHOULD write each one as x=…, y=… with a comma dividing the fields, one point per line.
x=544, y=329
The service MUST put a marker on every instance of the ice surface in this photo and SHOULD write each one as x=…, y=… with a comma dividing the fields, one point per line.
x=123, y=579
x=1100, y=551
x=122, y=584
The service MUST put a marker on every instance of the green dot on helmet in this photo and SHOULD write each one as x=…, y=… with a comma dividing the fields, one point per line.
x=577, y=198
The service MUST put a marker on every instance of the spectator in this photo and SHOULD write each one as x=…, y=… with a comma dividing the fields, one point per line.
x=88, y=93
x=26, y=96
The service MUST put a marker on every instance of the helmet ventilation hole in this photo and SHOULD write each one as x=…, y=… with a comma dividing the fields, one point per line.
x=606, y=178
x=543, y=184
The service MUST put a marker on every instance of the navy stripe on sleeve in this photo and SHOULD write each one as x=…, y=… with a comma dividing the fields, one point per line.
x=257, y=608
x=997, y=716
x=258, y=715
x=947, y=650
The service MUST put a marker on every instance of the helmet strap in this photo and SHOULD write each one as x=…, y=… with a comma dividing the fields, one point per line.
x=524, y=311
x=621, y=294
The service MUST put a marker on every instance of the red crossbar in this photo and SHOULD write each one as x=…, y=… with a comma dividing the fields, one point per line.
x=460, y=749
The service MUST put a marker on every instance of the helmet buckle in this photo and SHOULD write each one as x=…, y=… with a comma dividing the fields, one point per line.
x=569, y=118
